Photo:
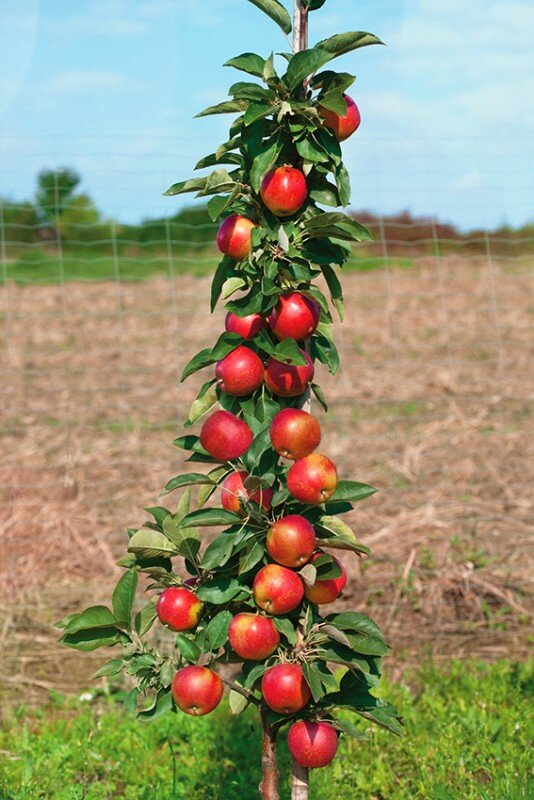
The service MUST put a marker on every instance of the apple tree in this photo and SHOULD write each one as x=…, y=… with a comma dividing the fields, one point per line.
x=253, y=613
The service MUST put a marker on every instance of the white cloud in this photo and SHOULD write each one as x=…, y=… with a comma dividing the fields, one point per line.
x=79, y=80
x=468, y=182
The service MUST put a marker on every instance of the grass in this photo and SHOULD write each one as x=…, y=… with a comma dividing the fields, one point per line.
x=36, y=266
x=466, y=739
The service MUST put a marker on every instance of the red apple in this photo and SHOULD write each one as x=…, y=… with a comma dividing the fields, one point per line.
x=225, y=437
x=312, y=744
x=295, y=433
x=291, y=541
x=248, y=327
x=178, y=608
x=312, y=479
x=288, y=380
x=277, y=589
x=342, y=126
x=326, y=591
x=234, y=237
x=234, y=490
x=295, y=316
x=284, y=688
x=240, y=372
x=284, y=190
x=197, y=690
x=253, y=637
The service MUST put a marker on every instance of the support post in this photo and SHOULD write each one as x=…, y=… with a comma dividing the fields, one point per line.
x=269, y=781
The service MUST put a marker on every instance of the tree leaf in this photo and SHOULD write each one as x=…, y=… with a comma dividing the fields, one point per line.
x=145, y=618
x=257, y=111
x=192, y=185
x=217, y=629
x=202, y=405
x=92, y=638
x=160, y=706
x=236, y=700
x=313, y=680
x=350, y=729
x=189, y=479
x=339, y=535
x=210, y=516
x=189, y=650
x=219, y=590
x=109, y=669
x=250, y=556
x=276, y=12
x=151, y=544
x=251, y=63
x=308, y=574
x=92, y=618
x=227, y=107
x=342, y=43
x=305, y=62
x=286, y=627
x=352, y=491
x=263, y=163
x=185, y=539
x=218, y=551
x=123, y=597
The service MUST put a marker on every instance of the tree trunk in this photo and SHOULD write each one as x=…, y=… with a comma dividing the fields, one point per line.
x=269, y=782
x=299, y=775
x=299, y=782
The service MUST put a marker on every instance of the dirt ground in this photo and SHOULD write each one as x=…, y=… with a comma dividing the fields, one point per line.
x=431, y=406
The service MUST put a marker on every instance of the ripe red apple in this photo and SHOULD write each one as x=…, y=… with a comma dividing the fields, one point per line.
x=295, y=316
x=295, y=433
x=277, y=589
x=252, y=636
x=342, y=126
x=312, y=479
x=312, y=744
x=240, y=372
x=291, y=541
x=248, y=327
x=288, y=380
x=233, y=490
x=197, y=690
x=225, y=437
x=284, y=190
x=234, y=237
x=326, y=591
x=284, y=688
x=178, y=608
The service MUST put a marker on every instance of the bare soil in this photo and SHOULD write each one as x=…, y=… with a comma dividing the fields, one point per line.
x=431, y=406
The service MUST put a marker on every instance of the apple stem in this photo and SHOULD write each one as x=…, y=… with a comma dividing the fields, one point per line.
x=269, y=782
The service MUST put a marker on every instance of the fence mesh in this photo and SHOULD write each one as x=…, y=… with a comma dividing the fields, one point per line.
x=431, y=405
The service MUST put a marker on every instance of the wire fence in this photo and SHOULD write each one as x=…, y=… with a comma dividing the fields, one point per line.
x=431, y=405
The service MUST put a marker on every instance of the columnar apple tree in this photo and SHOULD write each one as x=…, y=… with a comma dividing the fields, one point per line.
x=253, y=612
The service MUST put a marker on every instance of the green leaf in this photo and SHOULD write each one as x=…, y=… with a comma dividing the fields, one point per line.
x=192, y=185
x=352, y=491
x=217, y=629
x=342, y=43
x=145, y=618
x=190, y=479
x=227, y=107
x=319, y=394
x=210, y=516
x=339, y=535
x=184, y=506
x=385, y=719
x=185, y=539
x=151, y=544
x=123, y=597
x=247, y=62
x=304, y=63
x=187, y=648
x=313, y=680
x=263, y=163
x=335, y=289
x=218, y=551
x=353, y=621
x=276, y=12
x=219, y=590
x=162, y=704
x=288, y=352
x=231, y=286
x=202, y=405
x=334, y=101
x=286, y=627
x=224, y=270
x=199, y=361
x=250, y=556
x=218, y=181
x=310, y=151
x=350, y=729
x=313, y=5
x=109, y=669
x=91, y=638
x=257, y=111
x=343, y=184
x=237, y=702
x=92, y=618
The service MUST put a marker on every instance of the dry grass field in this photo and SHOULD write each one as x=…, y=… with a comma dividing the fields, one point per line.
x=431, y=406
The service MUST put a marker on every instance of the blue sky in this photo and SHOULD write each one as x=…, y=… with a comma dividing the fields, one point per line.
x=110, y=87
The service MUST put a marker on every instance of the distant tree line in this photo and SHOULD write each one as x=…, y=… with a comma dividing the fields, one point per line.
x=60, y=212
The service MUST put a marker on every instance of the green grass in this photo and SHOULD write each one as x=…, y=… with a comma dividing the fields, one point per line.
x=466, y=739
x=39, y=267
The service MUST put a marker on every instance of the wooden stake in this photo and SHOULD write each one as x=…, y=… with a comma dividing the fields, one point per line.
x=269, y=781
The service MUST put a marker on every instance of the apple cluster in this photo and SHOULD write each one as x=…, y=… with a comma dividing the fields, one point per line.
x=257, y=596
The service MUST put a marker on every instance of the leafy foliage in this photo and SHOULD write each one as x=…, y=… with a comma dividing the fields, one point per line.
x=278, y=123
